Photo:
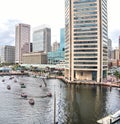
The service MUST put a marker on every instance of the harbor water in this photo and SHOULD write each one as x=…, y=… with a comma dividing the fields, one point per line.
x=69, y=104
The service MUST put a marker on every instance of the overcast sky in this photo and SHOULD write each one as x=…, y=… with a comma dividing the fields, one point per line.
x=49, y=12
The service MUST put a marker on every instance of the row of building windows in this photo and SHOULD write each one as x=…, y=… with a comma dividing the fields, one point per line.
x=84, y=13
x=86, y=46
x=88, y=50
x=85, y=9
x=85, y=25
x=91, y=63
x=85, y=21
x=81, y=34
x=85, y=58
x=84, y=38
x=84, y=42
x=89, y=67
x=85, y=29
x=85, y=54
x=85, y=17
x=77, y=5
x=84, y=1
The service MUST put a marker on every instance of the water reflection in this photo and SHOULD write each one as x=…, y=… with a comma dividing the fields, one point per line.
x=82, y=105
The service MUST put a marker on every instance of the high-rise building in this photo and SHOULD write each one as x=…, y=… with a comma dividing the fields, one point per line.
x=7, y=54
x=22, y=41
x=42, y=39
x=86, y=40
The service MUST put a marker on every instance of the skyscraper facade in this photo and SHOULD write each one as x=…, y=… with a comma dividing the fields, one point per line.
x=22, y=41
x=86, y=39
x=42, y=39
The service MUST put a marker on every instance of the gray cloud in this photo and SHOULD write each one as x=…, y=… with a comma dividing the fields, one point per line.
x=7, y=32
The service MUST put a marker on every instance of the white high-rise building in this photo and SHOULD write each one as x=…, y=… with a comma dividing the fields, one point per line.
x=86, y=39
x=42, y=39
x=22, y=41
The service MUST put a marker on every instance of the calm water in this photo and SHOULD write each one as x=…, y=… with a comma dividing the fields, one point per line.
x=83, y=105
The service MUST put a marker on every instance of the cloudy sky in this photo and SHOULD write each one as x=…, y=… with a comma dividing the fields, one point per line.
x=50, y=12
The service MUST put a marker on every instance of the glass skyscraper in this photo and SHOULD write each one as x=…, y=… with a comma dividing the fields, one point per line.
x=42, y=39
x=86, y=38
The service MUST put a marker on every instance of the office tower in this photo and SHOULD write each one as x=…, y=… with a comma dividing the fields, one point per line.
x=7, y=54
x=22, y=41
x=42, y=39
x=86, y=40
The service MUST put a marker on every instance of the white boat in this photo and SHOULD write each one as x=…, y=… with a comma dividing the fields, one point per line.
x=116, y=116
x=110, y=119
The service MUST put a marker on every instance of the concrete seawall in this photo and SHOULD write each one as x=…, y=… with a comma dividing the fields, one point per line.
x=87, y=82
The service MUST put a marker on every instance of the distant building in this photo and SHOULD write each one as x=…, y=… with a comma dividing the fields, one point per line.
x=34, y=58
x=55, y=46
x=42, y=39
x=115, y=54
x=22, y=41
x=55, y=57
x=7, y=54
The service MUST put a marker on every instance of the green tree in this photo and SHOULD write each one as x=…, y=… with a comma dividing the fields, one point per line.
x=117, y=74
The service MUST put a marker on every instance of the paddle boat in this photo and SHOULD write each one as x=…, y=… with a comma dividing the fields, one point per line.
x=49, y=94
x=31, y=101
x=24, y=95
x=8, y=87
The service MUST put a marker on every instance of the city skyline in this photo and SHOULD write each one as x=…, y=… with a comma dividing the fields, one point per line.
x=39, y=13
